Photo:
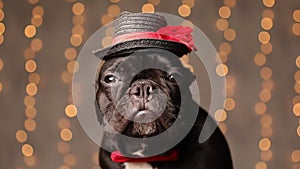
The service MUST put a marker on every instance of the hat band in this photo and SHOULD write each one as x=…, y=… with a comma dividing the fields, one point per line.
x=178, y=34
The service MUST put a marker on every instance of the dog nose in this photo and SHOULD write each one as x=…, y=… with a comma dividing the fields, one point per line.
x=142, y=89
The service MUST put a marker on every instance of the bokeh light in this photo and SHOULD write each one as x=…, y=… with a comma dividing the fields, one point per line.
x=296, y=109
x=27, y=150
x=264, y=37
x=154, y=2
x=72, y=66
x=266, y=155
x=260, y=59
x=63, y=147
x=266, y=48
x=222, y=70
x=30, y=160
x=37, y=20
x=260, y=108
x=66, y=134
x=38, y=10
x=266, y=73
x=261, y=165
x=265, y=95
x=2, y=15
x=30, y=66
x=296, y=29
x=2, y=28
x=30, y=112
x=230, y=3
x=71, y=110
x=69, y=159
x=225, y=47
x=224, y=12
x=266, y=23
x=296, y=15
x=64, y=123
x=30, y=125
x=21, y=136
x=30, y=31
x=268, y=13
x=76, y=40
x=29, y=101
x=222, y=24
x=148, y=8
x=230, y=34
x=269, y=3
x=1, y=64
x=266, y=120
x=229, y=104
x=78, y=20
x=31, y=89
x=184, y=10
x=107, y=41
x=220, y=115
x=34, y=78
x=113, y=10
x=189, y=3
x=265, y=144
x=70, y=53
x=36, y=45
x=78, y=8
x=295, y=156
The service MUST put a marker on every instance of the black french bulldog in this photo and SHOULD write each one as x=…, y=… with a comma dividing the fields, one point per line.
x=142, y=95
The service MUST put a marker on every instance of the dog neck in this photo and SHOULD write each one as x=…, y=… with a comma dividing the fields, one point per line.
x=119, y=158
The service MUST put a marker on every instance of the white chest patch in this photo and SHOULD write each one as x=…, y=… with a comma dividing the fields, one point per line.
x=137, y=165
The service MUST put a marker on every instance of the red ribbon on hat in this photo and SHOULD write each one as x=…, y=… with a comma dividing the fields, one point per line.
x=180, y=34
x=116, y=156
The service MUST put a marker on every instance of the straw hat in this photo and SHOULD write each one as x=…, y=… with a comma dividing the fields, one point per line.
x=135, y=31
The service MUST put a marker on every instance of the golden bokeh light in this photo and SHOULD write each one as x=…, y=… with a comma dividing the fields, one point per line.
x=266, y=120
x=33, y=1
x=224, y=12
x=296, y=109
x=66, y=134
x=266, y=73
x=260, y=59
x=37, y=20
x=222, y=70
x=269, y=3
x=265, y=95
x=110, y=31
x=95, y=158
x=297, y=62
x=221, y=56
x=78, y=8
x=189, y=3
x=268, y=13
x=1, y=64
x=230, y=81
x=266, y=48
x=63, y=147
x=223, y=127
x=76, y=40
x=1, y=5
x=27, y=150
x=30, y=160
x=38, y=10
x=154, y=2
x=105, y=19
x=113, y=10
x=29, y=54
x=266, y=131
x=2, y=28
x=31, y=89
x=1, y=38
x=184, y=10
x=66, y=77
x=266, y=155
x=267, y=23
x=114, y=1
x=69, y=159
x=72, y=66
x=220, y=115
x=296, y=99
x=70, y=53
x=296, y=15
x=230, y=3
x=71, y=110
x=148, y=8
x=295, y=156
x=36, y=45
x=21, y=136
x=30, y=112
x=30, y=31
x=268, y=84
x=29, y=101
x=297, y=76
x=106, y=41
x=2, y=15
x=222, y=24
x=230, y=34
x=34, y=78
x=30, y=66
x=296, y=29
x=64, y=123
x=78, y=29
x=1, y=86
x=264, y=37
x=298, y=130
x=261, y=165
x=225, y=47
x=229, y=104
x=78, y=20
x=297, y=88
x=264, y=144
x=260, y=108
x=30, y=124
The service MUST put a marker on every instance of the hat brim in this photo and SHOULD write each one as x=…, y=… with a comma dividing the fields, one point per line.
x=128, y=47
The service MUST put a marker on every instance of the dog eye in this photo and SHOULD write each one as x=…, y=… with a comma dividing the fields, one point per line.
x=110, y=79
x=174, y=77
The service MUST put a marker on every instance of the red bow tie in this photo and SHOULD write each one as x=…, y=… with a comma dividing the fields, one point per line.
x=116, y=156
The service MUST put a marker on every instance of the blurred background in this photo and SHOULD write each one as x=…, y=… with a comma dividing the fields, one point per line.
x=258, y=43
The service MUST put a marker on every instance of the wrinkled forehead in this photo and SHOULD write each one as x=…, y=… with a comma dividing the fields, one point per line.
x=142, y=60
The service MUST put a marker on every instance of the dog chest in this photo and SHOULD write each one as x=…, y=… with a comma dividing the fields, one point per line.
x=138, y=165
